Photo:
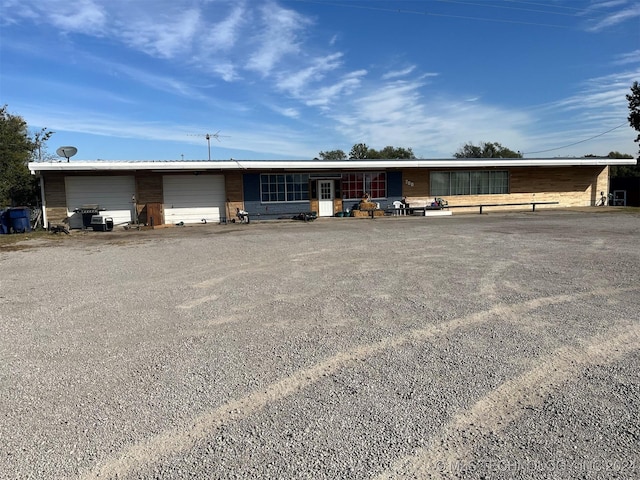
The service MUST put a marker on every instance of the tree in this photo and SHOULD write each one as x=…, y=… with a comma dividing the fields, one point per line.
x=623, y=170
x=17, y=148
x=399, y=153
x=486, y=150
x=634, y=109
x=359, y=152
x=333, y=155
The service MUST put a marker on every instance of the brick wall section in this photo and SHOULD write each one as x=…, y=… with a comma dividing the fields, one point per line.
x=570, y=186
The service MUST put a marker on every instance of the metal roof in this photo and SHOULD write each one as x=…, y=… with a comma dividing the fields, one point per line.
x=316, y=165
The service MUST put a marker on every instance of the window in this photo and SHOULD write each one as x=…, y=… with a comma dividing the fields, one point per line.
x=284, y=188
x=355, y=185
x=475, y=182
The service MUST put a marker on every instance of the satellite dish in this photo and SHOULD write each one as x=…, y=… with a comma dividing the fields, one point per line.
x=66, y=152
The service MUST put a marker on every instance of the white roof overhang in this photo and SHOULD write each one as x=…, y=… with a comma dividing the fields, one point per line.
x=315, y=165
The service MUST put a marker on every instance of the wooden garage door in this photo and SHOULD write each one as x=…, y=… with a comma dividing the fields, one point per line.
x=192, y=198
x=112, y=193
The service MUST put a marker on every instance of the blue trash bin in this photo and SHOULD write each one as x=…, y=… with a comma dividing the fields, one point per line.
x=20, y=219
x=4, y=222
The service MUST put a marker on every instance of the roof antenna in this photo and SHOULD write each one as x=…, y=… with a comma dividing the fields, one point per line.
x=209, y=136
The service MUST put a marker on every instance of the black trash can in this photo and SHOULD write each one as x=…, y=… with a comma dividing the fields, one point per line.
x=20, y=219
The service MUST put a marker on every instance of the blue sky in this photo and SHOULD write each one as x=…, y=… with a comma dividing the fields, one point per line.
x=285, y=79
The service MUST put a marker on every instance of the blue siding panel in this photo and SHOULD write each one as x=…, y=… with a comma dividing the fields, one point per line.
x=251, y=186
x=394, y=184
x=272, y=211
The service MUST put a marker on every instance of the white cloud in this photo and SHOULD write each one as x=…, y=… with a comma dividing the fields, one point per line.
x=296, y=83
x=278, y=37
x=287, y=112
x=399, y=114
x=84, y=16
x=164, y=36
x=324, y=96
x=613, y=18
x=225, y=34
x=81, y=16
x=626, y=58
x=398, y=73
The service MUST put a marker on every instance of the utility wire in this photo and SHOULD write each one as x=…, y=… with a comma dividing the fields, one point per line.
x=505, y=7
x=538, y=4
x=575, y=143
x=431, y=14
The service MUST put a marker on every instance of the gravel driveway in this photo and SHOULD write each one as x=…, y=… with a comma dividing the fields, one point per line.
x=493, y=346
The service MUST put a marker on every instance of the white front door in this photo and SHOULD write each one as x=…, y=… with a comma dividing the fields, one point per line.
x=325, y=198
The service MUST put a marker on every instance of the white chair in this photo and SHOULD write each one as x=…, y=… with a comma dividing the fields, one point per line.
x=398, y=205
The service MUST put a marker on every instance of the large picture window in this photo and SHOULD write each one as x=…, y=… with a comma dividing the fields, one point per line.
x=284, y=188
x=474, y=182
x=355, y=185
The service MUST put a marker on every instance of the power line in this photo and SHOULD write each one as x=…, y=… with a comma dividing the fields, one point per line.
x=575, y=143
x=538, y=4
x=431, y=14
x=504, y=7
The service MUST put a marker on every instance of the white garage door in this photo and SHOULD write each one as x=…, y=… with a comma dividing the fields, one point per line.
x=114, y=194
x=192, y=198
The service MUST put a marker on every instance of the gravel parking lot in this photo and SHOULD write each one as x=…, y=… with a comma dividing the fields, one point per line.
x=473, y=346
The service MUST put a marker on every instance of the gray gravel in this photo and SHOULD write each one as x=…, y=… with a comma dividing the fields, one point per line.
x=493, y=346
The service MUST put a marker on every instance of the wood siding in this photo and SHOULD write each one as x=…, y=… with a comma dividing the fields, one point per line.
x=55, y=198
x=149, y=188
x=149, y=195
x=234, y=192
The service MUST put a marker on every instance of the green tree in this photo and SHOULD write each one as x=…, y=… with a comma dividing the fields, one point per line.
x=486, y=150
x=17, y=148
x=634, y=109
x=623, y=170
x=333, y=155
x=390, y=152
x=359, y=152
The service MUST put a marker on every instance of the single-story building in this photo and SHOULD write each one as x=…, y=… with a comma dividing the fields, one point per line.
x=169, y=192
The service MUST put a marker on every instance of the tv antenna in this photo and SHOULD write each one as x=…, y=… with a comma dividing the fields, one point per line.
x=67, y=152
x=209, y=136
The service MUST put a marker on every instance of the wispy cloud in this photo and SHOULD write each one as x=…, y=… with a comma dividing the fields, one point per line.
x=84, y=16
x=398, y=73
x=628, y=58
x=611, y=13
x=278, y=37
x=399, y=113
x=328, y=94
x=81, y=16
x=297, y=82
x=224, y=35
x=163, y=37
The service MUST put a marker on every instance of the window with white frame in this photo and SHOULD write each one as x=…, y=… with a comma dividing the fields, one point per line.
x=354, y=185
x=474, y=182
x=284, y=187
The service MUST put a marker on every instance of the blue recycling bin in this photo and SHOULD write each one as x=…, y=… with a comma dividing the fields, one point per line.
x=20, y=218
x=4, y=222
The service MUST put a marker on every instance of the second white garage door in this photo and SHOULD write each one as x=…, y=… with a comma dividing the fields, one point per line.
x=192, y=198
